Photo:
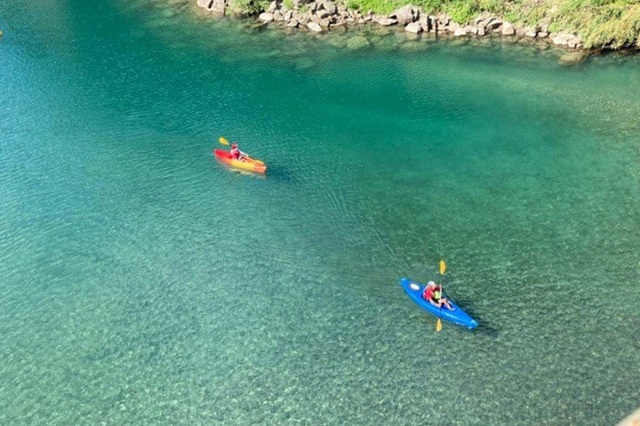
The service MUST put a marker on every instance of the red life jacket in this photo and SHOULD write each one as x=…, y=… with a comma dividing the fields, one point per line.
x=430, y=293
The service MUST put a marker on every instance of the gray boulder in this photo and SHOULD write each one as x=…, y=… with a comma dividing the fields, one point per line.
x=493, y=24
x=414, y=28
x=460, y=31
x=325, y=23
x=217, y=6
x=453, y=27
x=566, y=39
x=507, y=29
x=328, y=6
x=265, y=17
x=443, y=19
x=432, y=24
x=405, y=15
x=315, y=27
x=385, y=22
x=205, y=4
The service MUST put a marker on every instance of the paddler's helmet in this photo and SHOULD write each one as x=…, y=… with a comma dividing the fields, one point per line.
x=431, y=283
x=234, y=145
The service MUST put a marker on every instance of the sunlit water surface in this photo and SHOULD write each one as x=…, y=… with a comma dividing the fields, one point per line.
x=141, y=282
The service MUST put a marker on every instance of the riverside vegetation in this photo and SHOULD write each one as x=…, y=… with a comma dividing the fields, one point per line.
x=580, y=24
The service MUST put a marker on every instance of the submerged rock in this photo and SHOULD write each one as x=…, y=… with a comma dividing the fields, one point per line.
x=573, y=58
x=338, y=41
x=358, y=42
x=385, y=22
x=305, y=64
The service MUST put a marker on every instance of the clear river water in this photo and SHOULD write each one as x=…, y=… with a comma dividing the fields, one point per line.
x=141, y=282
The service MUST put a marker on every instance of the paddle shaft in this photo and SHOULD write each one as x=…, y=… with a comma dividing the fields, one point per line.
x=443, y=268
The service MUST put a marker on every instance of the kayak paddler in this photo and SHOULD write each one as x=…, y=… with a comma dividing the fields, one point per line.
x=433, y=294
x=236, y=154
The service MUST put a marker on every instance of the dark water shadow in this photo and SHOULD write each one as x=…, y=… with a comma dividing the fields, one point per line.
x=281, y=173
x=484, y=328
x=487, y=330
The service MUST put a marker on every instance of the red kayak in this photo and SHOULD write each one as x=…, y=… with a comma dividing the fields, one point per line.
x=247, y=163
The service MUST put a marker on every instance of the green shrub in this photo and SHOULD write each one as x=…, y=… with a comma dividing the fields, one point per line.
x=353, y=4
x=248, y=7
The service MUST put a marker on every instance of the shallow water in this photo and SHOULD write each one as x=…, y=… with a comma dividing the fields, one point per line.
x=143, y=283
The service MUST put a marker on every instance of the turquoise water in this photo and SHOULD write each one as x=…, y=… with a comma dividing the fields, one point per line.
x=143, y=283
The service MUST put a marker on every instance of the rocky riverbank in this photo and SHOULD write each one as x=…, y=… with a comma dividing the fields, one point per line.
x=325, y=15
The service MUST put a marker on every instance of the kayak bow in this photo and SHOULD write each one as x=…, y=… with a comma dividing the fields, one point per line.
x=249, y=164
x=456, y=315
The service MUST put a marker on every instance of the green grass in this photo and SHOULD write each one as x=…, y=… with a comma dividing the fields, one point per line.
x=601, y=22
x=611, y=23
x=288, y=4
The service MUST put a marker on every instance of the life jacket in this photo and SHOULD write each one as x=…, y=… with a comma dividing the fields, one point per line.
x=429, y=293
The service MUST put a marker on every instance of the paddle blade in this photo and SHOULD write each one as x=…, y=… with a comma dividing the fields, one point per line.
x=438, y=325
x=443, y=267
x=223, y=141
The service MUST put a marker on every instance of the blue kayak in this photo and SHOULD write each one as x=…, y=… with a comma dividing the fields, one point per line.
x=456, y=315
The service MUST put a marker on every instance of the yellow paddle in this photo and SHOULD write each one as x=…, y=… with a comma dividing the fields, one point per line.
x=443, y=268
